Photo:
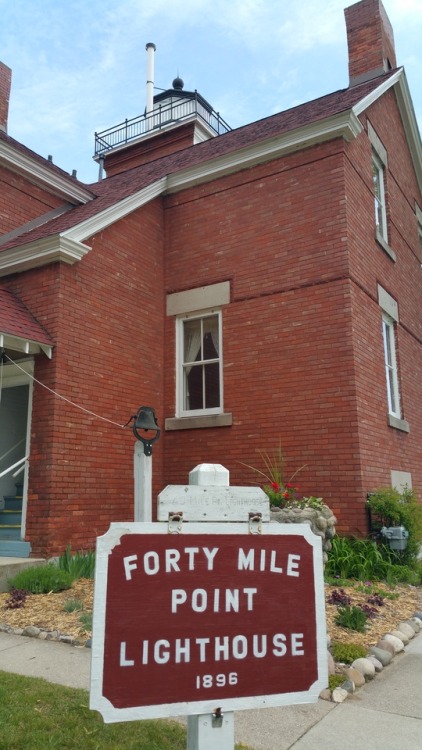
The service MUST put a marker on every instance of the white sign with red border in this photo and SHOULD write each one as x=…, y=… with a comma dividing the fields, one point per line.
x=214, y=616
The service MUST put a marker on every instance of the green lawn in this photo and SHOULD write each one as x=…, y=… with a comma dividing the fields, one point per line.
x=38, y=715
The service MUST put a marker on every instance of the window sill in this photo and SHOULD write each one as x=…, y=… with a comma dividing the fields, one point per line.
x=398, y=424
x=385, y=246
x=193, y=423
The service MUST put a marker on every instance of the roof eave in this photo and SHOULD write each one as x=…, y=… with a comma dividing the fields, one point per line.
x=404, y=101
x=52, y=249
x=35, y=171
x=343, y=125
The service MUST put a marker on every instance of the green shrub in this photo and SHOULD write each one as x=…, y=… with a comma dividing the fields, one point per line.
x=356, y=558
x=86, y=620
x=42, y=579
x=73, y=605
x=335, y=680
x=79, y=565
x=402, y=574
x=347, y=652
x=389, y=507
x=351, y=617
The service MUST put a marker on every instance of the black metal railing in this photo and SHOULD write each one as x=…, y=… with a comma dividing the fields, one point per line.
x=176, y=110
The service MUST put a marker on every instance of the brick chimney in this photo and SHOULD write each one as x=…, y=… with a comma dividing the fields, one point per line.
x=5, y=84
x=370, y=41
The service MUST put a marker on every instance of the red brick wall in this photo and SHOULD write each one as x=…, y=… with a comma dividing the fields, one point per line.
x=303, y=354
x=303, y=359
x=278, y=233
x=21, y=201
x=382, y=447
x=105, y=315
x=5, y=84
x=370, y=40
x=160, y=144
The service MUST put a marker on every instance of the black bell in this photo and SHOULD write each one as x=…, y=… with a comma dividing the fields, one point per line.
x=145, y=420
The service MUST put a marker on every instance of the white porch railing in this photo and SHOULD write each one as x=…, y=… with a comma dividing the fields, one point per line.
x=20, y=463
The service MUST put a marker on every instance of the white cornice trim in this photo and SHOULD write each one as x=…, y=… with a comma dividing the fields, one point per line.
x=404, y=101
x=410, y=124
x=375, y=94
x=40, y=253
x=37, y=172
x=117, y=211
x=69, y=247
x=344, y=125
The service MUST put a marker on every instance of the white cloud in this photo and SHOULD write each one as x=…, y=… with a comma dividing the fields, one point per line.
x=80, y=66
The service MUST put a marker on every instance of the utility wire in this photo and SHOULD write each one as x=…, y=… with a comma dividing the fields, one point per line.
x=58, y=395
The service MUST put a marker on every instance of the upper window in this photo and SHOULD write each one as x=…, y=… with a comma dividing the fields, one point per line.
x=379, y=196
x=391, y=366
x=199, y=365
x=420, y=241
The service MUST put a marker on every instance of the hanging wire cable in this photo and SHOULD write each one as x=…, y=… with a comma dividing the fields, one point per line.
x=63, y=398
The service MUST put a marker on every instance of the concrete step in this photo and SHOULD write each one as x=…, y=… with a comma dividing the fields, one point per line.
x=12, y=502
x=12, y=565
x=10, y=518
x=10, y=531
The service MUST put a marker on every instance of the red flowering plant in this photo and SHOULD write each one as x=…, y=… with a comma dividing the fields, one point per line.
x=282, y=493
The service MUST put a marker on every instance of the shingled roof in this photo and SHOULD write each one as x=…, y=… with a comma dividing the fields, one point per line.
x=18, y=327
x=116, y=188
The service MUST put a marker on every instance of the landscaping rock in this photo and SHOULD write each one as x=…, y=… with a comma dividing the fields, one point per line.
x=418, y=615
x=406, y=628
x=377, y=664
x=397, y=642
x=365, y=667
x=381, y=654
x=339, y=695
x=349, y=686
x=401, y=636
x=416, y=623
x=354, y=675
x=386, y=646
x=31, y=631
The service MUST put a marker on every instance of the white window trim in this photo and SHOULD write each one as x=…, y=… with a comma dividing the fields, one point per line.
x=391, y=374
x=380, y=202
x=180, y=411
x=418, y=213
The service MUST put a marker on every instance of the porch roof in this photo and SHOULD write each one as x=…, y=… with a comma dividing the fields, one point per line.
x=19, y=330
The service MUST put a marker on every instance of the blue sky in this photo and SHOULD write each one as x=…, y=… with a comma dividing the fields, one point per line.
x=79, y=66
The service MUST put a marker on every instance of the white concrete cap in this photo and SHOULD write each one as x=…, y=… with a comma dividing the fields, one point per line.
x=209, y=475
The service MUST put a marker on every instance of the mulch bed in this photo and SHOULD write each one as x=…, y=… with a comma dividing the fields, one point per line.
x=46, y=611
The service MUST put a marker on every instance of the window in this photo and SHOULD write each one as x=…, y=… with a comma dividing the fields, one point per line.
x=379, y=196
x=199, y=364
x=391, y=366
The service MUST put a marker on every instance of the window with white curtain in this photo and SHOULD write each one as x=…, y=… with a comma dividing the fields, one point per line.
x=199, y=366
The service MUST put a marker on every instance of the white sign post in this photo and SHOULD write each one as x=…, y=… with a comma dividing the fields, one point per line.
x=209, y=731
x=142, y=466
x=202, y=619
